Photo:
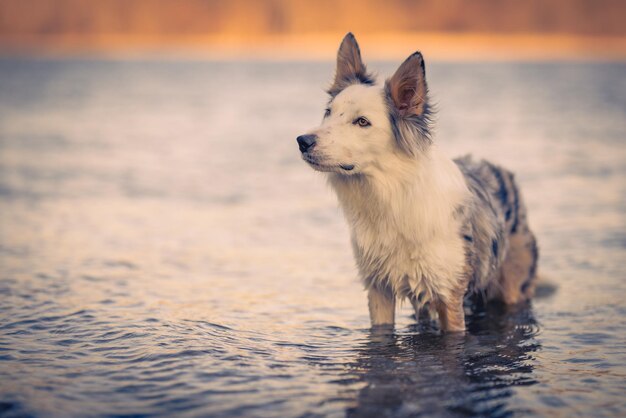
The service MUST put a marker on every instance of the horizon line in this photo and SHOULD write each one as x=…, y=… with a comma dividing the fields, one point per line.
x=468, y=46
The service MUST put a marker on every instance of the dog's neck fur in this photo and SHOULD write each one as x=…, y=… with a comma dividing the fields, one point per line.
x=431, y=185
x=403, y=225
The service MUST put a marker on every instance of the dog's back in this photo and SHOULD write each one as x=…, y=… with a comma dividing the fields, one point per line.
x=502, y=251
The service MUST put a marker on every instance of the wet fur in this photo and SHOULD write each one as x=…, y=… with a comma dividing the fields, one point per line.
x=424, y=227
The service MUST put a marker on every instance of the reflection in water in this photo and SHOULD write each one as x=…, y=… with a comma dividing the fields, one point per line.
x=474, y=373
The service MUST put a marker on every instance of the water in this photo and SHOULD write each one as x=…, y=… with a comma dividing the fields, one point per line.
x=164, y=251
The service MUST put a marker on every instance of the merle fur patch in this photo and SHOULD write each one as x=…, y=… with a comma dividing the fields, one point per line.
x=413, y=132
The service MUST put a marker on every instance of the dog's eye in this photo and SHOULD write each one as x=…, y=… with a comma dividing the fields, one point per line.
x=327, y=113
x=362, y=122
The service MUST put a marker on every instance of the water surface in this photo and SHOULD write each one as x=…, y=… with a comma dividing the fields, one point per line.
x=164, y=251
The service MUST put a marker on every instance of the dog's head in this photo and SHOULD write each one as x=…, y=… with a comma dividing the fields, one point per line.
x=367, y=125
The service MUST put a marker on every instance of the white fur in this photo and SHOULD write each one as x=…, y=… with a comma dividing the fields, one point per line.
x=400, y=208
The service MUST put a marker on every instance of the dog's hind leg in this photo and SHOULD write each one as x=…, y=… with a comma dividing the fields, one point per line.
x=519, y=268
x=382, y=305
x=517, y=280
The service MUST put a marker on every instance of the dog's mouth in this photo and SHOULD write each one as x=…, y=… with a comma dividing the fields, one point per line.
x=324, y=167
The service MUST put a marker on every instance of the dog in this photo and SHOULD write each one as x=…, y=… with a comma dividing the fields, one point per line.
x=440, y=232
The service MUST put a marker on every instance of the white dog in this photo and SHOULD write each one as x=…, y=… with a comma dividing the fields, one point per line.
x=423, y=226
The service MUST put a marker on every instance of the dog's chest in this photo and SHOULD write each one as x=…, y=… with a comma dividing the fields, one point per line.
x=401, y=250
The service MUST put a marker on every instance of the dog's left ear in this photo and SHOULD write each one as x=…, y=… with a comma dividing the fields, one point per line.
x=407, y=87
x=410, y=112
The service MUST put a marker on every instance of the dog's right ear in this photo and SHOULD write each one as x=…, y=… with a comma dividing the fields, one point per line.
x=350, y=67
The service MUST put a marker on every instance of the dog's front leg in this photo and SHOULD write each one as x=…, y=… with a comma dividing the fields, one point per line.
x=382, y=304
x=451, y=315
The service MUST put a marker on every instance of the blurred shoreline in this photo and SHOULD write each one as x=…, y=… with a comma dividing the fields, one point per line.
x=322, y=46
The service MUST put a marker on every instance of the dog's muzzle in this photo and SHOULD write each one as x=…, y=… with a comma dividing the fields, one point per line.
x=306, y=142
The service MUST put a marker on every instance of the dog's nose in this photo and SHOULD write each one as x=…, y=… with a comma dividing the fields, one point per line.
x=306, y=142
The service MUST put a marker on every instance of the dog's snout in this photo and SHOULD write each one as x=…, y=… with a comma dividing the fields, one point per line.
x=306, y=142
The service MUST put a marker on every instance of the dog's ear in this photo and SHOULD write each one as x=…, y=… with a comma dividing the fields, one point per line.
x=407, y=86
x=350, y=67
x=410, y=112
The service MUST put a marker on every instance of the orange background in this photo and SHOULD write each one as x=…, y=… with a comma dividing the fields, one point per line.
x=311, y=29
